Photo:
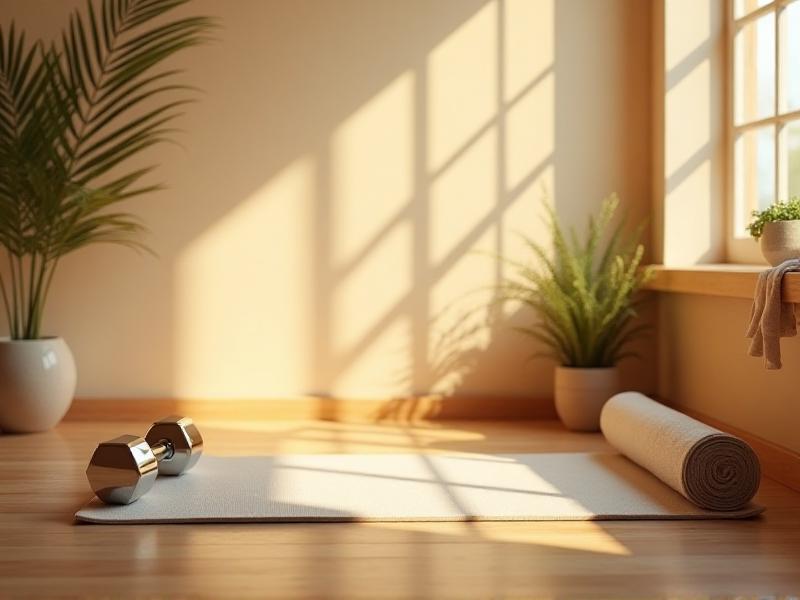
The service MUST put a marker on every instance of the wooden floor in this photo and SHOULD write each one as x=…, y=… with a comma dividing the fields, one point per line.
x=43, y=553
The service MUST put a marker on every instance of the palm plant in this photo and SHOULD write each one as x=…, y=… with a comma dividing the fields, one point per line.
x=72, y=115
x=584, y=294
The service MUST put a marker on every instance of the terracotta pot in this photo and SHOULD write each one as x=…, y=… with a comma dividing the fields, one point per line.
x=37, y=383
x=581, y=393
x=780, y=241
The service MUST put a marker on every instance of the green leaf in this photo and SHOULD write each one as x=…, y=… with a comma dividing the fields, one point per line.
x=70, y=113
x=584, y=291
x=780, y=211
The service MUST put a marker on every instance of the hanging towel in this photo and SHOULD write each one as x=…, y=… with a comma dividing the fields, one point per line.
x=771, y=318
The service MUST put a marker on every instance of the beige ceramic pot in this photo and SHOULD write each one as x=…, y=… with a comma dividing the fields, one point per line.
x=780, y=241
x=581, y=393
x=37, y=383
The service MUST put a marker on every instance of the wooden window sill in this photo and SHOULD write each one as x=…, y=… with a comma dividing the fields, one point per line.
x=730, y=281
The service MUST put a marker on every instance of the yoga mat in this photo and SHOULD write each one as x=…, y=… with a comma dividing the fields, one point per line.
x=714, y=470
x=408, y=487
x=676, y=468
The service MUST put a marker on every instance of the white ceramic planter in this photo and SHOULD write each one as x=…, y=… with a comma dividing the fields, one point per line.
x=581, y=393
x=37, y=383
x=780, y=241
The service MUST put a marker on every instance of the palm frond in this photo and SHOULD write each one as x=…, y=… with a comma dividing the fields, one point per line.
x=72, y=114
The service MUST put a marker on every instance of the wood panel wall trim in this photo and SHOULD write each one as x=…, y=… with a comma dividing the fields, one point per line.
x=777, y=462
x=731, y=281
x=406, y=409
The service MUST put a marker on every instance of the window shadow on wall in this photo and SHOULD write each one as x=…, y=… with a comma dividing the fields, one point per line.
x=350, y=171
x=489, y=121
x=410, y=56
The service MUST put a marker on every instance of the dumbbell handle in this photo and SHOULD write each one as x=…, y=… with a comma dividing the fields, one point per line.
x=163, y=450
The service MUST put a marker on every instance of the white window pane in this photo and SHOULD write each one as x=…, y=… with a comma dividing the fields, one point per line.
x=754, y=153
x=793, y=154
x=743, y=7
x=754, y=70
x=790, y=61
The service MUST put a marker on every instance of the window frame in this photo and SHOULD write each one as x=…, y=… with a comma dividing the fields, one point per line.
x=745, y=249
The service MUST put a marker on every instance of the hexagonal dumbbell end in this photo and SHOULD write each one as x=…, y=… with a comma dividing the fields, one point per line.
x=177, y=444
x=122, y=469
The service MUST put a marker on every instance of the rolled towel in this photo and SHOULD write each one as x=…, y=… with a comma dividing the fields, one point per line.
x=714, y=470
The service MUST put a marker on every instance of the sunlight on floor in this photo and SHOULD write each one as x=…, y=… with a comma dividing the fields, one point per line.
x=314, y=436
x=470, y=440
x=584, y=536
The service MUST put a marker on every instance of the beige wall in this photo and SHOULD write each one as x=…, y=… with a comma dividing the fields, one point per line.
x=702, y=350
x=689, y=131
x=342, y=165
x=707, y=368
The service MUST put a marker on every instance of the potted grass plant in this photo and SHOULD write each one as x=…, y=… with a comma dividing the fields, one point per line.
x=584, y=296
x=777, y=228
x=73, y=113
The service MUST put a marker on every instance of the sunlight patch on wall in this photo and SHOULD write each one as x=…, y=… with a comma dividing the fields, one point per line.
x=372, y=187
x=528, y=45
x=462, y=198
x=529, y=97
x=491, y=169
x=462, y=85
x=689, y=216
x=688, y=200
x=242, y=292
x=689, y=23
x=459, y=306
x=693, y=137
x=526, y=215
x=530, y=132
x=372, y=169
x=371, y=297
x=693, y=152
x=349, y=272
x=380, y=369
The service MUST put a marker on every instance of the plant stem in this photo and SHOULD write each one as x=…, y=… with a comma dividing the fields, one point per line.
x=31, y=296
x=6, y=304
x=40, y=295
x=44, y=293
x=20, y=263
x=22, y=299
x=14, y=325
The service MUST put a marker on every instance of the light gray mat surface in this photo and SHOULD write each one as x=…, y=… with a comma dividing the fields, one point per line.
x=408, y=487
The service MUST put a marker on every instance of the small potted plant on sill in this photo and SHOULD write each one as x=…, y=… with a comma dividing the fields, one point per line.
x=777, y=227
x=72, y=114
x=584, y=296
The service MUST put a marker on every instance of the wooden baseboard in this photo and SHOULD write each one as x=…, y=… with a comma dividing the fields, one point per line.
x=777, y=462
x=418, y=408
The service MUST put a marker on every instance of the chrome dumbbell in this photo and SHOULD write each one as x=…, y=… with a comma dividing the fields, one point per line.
x=123, y=469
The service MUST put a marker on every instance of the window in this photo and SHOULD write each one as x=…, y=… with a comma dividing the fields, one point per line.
x=764, y=51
